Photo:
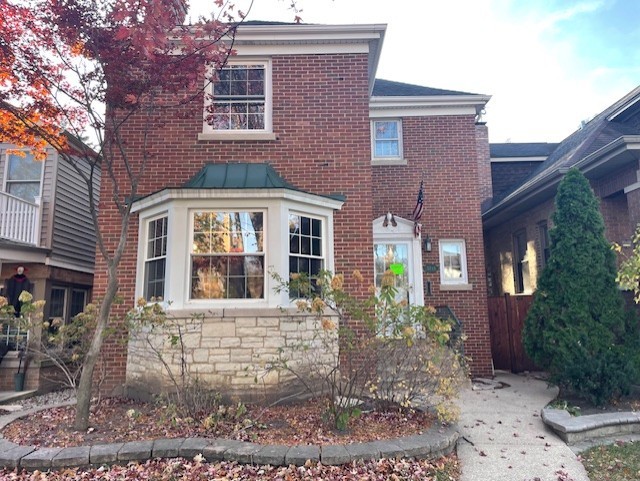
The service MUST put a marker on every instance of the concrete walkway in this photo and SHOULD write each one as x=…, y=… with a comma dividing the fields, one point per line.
x=504, y=438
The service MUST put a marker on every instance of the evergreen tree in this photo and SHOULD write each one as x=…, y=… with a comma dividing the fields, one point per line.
x=575, y=327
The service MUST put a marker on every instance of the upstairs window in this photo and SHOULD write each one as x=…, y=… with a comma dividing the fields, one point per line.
x=241, y=98
x=23, y=176
x=386, y=138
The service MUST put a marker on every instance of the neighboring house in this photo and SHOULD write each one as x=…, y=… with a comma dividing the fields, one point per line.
x=306, y=157
x=45, y=227
x=607, y=151
x=511, y=163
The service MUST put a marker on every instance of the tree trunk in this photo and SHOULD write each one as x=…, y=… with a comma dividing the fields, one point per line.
x=85, y=385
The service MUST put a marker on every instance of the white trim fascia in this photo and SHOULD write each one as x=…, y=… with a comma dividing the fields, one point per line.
x=278, y=34
x=603, y=154
x=624, y=103
x=300, y=49
x=17, y=254
x=67, y=265
x=497, y=160
x=427, y=105
x=221, y=194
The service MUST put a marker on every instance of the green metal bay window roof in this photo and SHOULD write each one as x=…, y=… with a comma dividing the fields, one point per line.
x=240, y=177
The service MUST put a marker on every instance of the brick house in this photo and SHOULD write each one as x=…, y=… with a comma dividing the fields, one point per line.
x=302, y=180
x=606, y=149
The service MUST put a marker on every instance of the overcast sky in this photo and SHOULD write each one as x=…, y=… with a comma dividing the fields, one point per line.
x=548, y=64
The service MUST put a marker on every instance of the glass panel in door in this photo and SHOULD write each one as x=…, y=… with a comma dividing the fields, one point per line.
x=394, y=256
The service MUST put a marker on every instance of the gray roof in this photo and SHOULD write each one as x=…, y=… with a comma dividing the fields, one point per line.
x=388, y=88
x=592, y=136
x=521, y=149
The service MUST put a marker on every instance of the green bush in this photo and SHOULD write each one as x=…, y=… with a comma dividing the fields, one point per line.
x=577, y=328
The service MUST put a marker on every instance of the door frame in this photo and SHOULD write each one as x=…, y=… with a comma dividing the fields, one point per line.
x=403, y=232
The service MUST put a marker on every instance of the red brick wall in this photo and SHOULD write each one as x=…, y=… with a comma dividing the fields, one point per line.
x=321, y=120
x=484, y=164
x=442, y=151
x=499, y=247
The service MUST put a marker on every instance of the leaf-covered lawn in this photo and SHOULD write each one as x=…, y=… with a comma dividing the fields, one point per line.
x=120, y=420
x=444, y=469
x=617, y=462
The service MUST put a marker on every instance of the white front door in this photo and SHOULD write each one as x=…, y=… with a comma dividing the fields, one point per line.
x=394, y=257
x=396, y=248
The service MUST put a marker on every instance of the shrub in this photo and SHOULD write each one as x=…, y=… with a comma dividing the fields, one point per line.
x=576, y=327
x=390, y=352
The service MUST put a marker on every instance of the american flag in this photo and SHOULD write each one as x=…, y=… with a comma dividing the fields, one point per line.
x=417, y=211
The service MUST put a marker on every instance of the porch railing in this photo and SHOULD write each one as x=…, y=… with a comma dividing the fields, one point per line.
x=12, y=335
x=19, y=219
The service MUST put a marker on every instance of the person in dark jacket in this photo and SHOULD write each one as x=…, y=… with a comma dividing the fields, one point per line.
x=14, y=286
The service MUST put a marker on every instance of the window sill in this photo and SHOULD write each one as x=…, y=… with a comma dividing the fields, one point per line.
x=246, y=136
x=456, y=287
x=375, y=162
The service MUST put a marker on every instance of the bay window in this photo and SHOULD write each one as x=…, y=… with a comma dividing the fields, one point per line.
x=305, y=247
x=217, y=248
x=227, y=259
x=156, y=258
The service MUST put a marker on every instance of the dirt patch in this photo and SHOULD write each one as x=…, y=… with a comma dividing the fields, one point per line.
x=122, y=420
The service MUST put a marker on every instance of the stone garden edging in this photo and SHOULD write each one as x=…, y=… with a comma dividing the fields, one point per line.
x=574, y=429
x=435, y=442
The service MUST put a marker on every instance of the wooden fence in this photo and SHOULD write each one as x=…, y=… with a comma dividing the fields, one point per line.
x=506, y=320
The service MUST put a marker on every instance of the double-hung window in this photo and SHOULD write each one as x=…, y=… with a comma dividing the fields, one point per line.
x=386, y=136
x=156, y=258
x=240, y=98
x=521, y=261
x=227, y=256
x=305, y=247
x=24, y=174
x=545, y=243
x=453, y=262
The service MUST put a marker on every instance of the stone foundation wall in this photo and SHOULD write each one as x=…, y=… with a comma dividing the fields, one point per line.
x=232, y=350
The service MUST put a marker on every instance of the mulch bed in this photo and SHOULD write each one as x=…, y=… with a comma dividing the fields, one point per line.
x=625, y=404
x=122, y=420
x=445, y=468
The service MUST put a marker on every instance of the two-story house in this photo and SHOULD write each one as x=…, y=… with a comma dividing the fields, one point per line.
x=307, y=162
x=45, y=228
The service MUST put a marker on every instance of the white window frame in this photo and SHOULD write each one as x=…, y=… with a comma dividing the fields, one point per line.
x=210, y=133
x=146, y=252
x=463, y=282
x=6, y=182
x=276, y=210
x=263, y=253
x=387, y=159
x=323, y=241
